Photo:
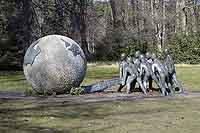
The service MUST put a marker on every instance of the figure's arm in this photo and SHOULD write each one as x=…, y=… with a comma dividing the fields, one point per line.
x=138, y=69
x=153, y=68
x=171, y=64
x=120, y=70
x=141, y=70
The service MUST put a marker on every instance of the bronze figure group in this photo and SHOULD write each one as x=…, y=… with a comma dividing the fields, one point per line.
x=146, y=68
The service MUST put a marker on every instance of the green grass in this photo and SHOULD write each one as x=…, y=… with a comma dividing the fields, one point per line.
x=168, y=116
x=189, y=76
x=98, y=73
x=181, y=115
x=15, y=81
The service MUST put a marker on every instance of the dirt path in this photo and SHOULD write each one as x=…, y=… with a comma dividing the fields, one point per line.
x=91, y=98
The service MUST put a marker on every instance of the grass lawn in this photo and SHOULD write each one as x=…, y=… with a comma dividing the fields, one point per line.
x=15, y=81
x=153, y=116
x=167, y=116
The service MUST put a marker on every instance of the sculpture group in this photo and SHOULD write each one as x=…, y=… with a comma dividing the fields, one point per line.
x=146, y=68
x=56, y=64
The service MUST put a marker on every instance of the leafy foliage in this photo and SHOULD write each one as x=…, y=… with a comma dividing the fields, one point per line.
x=186, y=48
x=104, y=29
x=77, y=91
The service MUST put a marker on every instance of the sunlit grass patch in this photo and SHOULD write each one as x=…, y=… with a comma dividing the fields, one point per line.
x=169, y=116
x=15, y=81
x=97, y=73
x=189, y=76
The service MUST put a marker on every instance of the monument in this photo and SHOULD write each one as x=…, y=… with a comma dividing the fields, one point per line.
x=149, y=68
x=54, y=64
x=171, y=70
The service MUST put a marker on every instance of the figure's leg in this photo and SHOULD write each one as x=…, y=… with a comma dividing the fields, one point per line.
x=120, y=88
x=163, y=91
x=169, y=84
x=160, y=81
x=141, y=85
x=125, y=75
x=177, y=83
x=145, y=80
x=163, y=88
x=155, y=77
x=162, y=84
x=157, y=83
x=150, y=83
x=133, y=84
x=129, y=83
x=123, y=80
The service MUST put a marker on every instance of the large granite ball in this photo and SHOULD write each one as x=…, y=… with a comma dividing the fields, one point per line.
x=54, y=64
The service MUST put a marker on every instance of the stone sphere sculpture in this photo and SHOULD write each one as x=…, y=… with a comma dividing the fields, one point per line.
x=54, y=64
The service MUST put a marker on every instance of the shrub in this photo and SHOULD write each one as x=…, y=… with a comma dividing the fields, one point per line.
x=185, y=48
x=77, y=91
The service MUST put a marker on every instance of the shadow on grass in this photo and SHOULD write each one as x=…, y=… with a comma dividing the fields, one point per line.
x=13, y=80
x=19, y=117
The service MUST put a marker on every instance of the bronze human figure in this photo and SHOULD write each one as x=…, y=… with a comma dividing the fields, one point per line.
x=150, y=62
x=122, y=66
x=171, y=70
x=160, y=73
x=132, y=76
x=137, y=60
x=145, y=71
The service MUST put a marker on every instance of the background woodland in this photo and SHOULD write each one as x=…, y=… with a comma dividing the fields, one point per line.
x=103, y=28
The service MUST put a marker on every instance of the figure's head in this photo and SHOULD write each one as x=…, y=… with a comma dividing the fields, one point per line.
x=133, y=59
x=148, y=55
x=137, y=62
x=153, y=56
x=123, y=56
x=166, y=51
x=141, y=57
x=129, y=59
x=137, y=54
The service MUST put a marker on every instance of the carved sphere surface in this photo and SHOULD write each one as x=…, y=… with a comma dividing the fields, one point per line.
x=54, y=64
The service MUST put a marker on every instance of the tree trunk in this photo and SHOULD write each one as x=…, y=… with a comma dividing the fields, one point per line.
x=83, y=28
x=134, y=15
x=197, y=17
x=193, y=21
x=163, y=24
x=158, y=25
x=181, y=17
x=152, y=20
x=124, y=8
x=119, y=13
x=115, y=14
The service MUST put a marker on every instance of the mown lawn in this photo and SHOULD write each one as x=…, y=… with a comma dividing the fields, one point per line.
x=167, y=116
x=181, y=115
x=15, y=81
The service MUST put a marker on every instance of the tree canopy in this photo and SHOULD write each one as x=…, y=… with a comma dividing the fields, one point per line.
x=103, y=28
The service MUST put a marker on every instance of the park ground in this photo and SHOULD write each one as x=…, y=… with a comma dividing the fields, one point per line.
x=48, y=114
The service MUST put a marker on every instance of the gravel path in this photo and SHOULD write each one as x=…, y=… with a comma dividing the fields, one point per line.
x=91, y=98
